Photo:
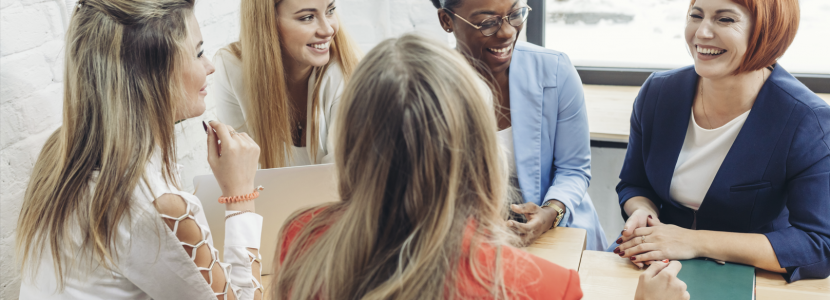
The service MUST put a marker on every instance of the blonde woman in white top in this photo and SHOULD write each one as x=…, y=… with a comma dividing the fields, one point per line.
x=281, y=82
x=103, y=217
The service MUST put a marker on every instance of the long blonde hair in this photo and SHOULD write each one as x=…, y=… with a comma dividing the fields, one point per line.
x=121, y=94
x=268, y=116
x=418, y=163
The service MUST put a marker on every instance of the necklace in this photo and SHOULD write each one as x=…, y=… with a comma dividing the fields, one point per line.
x=298, y=138
x=703, y=102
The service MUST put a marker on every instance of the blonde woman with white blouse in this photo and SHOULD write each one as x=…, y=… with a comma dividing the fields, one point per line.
x=281, y=82
x=103, y=216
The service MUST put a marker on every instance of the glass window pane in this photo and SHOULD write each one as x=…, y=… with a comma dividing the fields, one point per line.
x=650, y=34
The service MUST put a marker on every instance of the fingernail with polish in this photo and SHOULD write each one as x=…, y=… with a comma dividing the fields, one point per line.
x=632, y=258
x=622, y=253
x=204, y=125
x=619, y=241
x=666, y=261
x=649, y=216
x=617, y=250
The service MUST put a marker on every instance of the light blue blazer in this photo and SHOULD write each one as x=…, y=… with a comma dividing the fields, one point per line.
x=551, y=141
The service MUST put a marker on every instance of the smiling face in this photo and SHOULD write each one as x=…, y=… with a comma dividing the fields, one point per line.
x=717, y=34
x=494, y=51
x=196, y=68
x=306, y=29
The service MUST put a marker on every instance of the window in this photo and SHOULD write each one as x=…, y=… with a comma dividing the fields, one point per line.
x=608, y=35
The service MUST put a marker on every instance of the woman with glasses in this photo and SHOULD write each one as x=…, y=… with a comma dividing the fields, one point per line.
x=547, y=142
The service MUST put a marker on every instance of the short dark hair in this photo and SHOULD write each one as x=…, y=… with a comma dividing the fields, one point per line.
x=449, y=4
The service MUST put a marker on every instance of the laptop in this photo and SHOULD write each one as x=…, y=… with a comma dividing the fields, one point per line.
x=286, y=191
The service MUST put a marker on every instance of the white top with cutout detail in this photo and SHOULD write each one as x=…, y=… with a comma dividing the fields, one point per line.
x=151, y=262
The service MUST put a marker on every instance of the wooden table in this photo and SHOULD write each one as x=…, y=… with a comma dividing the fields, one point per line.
x=771, y=286
x=609, y=111
x=604, y=275
x=561, y=245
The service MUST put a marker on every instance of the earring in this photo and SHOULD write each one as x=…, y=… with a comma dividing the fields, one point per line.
x=448, y=30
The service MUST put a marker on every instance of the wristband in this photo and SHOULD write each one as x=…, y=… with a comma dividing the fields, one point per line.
x=246, y=197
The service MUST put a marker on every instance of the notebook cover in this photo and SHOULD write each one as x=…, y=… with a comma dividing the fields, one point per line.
x=706, y=279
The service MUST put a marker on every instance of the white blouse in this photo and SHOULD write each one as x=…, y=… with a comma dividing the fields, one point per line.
x=700, y=158
x=506, y=144
x=300, y=157
x=230, y=96
x=150, y=262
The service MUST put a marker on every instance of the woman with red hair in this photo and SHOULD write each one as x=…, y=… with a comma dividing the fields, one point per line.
x=730, y=158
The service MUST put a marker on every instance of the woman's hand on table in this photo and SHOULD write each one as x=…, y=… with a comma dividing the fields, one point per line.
x=233, y=158
x=636, y=219
x=657, y=242
x=539, y=220
x=660, y=281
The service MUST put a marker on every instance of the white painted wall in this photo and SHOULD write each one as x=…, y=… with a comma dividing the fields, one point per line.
x=31, y=84
x=606, y=164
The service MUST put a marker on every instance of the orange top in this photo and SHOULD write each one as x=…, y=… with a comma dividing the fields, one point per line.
x=535, y=277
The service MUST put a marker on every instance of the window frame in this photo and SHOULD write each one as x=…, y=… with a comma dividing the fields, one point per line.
x=818, y=83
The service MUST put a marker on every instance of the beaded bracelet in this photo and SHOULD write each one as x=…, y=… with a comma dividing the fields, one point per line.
x=247, y=197
x=237, y=213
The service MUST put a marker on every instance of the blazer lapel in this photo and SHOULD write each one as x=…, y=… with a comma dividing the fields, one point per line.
x=526, y=119
x=671, y=120
x=747, y=159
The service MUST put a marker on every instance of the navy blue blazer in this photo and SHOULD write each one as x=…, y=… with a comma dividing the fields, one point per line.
x=775, y=179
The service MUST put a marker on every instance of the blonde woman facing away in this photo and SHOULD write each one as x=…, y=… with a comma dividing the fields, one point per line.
x=281, y=82
x=103, y=217
x=423, y=191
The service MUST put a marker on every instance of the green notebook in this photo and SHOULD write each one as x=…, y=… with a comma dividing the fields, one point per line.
x=709, y=280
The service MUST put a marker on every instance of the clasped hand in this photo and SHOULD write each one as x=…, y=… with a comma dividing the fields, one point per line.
x=646, y=239
x=539, y=220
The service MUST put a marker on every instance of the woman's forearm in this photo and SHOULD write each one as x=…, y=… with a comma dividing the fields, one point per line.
x=752, y=249
x=640, y=202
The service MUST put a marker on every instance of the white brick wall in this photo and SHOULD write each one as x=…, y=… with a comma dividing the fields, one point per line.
x=31, y=83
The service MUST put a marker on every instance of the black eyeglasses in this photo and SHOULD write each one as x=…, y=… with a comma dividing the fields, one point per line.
x=492, y=24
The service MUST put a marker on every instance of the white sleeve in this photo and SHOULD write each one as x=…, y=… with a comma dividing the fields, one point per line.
x=158, y=265
x=243, y=231
x=330, y=93
x=167, y=261
x=226, y=90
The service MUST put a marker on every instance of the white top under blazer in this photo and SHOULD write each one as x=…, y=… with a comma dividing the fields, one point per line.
x=700, y=158
x=231, y=98
x=150, y=261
